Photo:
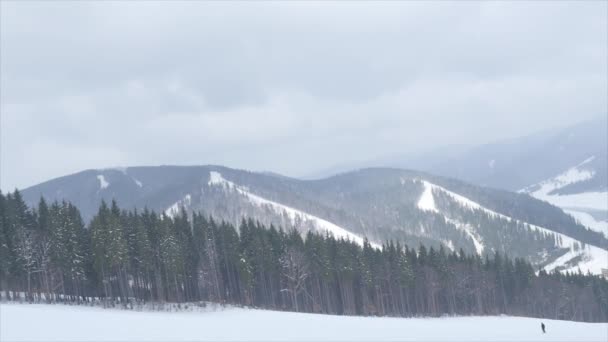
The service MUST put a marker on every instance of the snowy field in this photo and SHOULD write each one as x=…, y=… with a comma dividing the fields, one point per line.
x=40, y=322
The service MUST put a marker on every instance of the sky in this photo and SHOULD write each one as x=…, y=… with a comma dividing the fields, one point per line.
x=286, y=87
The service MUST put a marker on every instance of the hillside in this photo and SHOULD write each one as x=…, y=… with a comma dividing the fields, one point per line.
x=580, y=190
x=379, y=204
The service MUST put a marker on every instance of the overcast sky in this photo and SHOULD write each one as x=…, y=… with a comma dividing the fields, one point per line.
x=287, y=87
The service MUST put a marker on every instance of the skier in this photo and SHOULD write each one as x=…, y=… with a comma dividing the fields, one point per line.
x=542, y=326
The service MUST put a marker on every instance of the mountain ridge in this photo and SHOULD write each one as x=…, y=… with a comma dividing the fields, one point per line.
x=376, y=203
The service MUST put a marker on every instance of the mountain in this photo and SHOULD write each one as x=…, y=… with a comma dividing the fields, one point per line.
x=580, y=190
x=379, y=204
x=567, y=167
x=517, y=163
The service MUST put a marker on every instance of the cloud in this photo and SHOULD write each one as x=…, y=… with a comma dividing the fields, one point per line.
x=288, y=87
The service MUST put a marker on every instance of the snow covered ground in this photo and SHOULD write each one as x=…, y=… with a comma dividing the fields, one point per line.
x=41, y=322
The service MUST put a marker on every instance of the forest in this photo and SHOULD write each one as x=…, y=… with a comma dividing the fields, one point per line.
x=123, y=257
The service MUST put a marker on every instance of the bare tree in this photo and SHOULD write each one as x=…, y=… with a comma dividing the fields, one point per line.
x=26, y=253
x=295, y=268
x=43, y=260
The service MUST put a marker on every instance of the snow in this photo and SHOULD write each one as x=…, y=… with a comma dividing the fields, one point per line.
x=139, y=184
x=586, y=200
x=590, y=200
x=103, y=183
x=427, y=201
x=463, y=201
x=449, y=244
x=215, y=178
x=594, y=259
x=589, y=221
x=468, y=229
x=76, y=323
x=492, y=163
x=175, y=209
x=294, y=215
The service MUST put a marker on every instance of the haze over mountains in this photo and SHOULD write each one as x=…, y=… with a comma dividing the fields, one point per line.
x=388, y=203
x=510, y=164
x=567, y=167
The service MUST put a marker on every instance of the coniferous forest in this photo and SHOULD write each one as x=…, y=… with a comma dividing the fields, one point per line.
x=124, y=257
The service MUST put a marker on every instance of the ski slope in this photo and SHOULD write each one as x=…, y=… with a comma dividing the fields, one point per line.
x=294, y=215
x=426, y=202
x=43, y=322
x=592, y=258
x=597, y=200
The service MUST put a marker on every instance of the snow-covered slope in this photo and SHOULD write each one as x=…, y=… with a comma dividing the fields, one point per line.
x=578, y=255
x=427, y=203
x=103, y=183
x=589, y=221
x=176, y=207
x=564, y=191
x=75, y=323
x=548, y=190
x=294, y=215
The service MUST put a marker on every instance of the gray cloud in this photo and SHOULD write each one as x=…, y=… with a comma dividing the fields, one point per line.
x=288, y=87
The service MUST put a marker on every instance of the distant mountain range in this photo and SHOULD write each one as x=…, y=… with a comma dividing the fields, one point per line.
x=509, y=164
x=567, y=167
x=378, y=204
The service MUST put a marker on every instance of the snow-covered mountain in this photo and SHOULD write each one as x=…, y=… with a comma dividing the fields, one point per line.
x=566, y=167
x=509, y=164
x=518, y=163
x=377, y=204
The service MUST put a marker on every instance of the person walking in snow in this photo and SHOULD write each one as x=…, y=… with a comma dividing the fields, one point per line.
x=542, y=326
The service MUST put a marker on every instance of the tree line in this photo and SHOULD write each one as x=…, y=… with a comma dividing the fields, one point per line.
x=48, y=253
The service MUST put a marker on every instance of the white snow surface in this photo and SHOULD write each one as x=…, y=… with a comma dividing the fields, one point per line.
x=589, y=200
x=43, y=322
x=427, y=201
x=294, y=215
x=593, y=259
x=103, y=183
x=139, y=184
x=589, y=221
x=175, y=209
x=470, y=231
x=584, y=200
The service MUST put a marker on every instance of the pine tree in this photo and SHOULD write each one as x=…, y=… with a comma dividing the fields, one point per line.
x=151, y=257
